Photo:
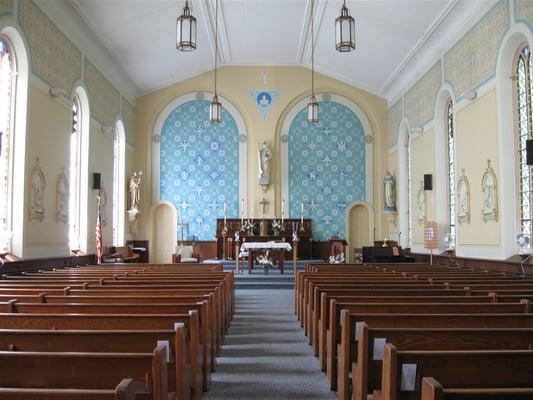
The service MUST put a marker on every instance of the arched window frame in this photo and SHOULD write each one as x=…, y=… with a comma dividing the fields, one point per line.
x=450, y=164
x=119, y=176
x=523, y=94
x=16, y=158
x=79, y=171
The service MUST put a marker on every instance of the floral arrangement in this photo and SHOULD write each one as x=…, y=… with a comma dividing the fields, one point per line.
x=248, y=226
x=276, y=226
x=338, y=259
x=265, y=261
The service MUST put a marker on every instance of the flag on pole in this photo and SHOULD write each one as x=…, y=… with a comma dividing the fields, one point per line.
x=98, y=233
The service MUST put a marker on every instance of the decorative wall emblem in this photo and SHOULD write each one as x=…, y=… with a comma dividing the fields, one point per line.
x=62, y=197
x=463, y=199
x=38, y=183
x=421, y=202
x=490, y=194
x=263, y=100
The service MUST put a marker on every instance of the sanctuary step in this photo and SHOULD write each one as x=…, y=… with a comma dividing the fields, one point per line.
x=258, y=280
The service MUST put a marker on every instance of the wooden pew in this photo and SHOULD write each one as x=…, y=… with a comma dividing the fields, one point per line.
x=127, y=389
x=333, y=336
x=207, y=351
x=101, y=371
x=363, y=356
x=119, y=322
x=433, y=390
x=126, y=341
x=403, y=370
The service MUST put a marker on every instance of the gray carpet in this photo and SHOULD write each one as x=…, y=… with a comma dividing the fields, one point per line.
x=266, y=355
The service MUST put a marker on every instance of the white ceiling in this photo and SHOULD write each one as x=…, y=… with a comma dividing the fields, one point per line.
x=141, y=35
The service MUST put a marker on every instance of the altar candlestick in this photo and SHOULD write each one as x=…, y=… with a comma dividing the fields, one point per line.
x=302, y=208
x=282, y=210
x=302, y=218
x=225, y=209
x=242, y=211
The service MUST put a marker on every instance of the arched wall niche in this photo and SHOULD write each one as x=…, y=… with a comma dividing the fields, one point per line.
x=360, y=227
x=203, y=177
x=162, y=228
x=333, y=146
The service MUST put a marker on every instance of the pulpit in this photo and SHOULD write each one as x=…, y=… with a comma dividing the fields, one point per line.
x=305, y=236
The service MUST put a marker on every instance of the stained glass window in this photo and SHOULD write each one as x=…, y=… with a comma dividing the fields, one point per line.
x=118, y=185
x=7, y=83
x=451, y=166
x=75, y=176
x=524, y=93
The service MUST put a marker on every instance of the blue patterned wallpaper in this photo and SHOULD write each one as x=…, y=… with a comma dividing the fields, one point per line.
x=326, y=167
x=200, y=166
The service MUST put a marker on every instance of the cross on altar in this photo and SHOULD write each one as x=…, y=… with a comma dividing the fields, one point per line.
x=264, y=203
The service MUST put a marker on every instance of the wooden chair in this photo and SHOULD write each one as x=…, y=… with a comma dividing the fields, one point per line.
x=121, y=254
x=184, y=254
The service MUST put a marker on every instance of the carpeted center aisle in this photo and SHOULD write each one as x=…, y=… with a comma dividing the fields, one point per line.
x=266, y=355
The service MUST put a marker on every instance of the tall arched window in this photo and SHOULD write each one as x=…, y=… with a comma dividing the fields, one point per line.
x=7, y=90
x=451, y=165
x=409, y=193
x=119, y=164
x=75, y=178
x=79, y=171
x=524, y=93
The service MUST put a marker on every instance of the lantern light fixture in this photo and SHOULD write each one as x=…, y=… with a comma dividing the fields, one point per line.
x=312, y=106
x=186, y=30
x=215, y=108
x=345, y=31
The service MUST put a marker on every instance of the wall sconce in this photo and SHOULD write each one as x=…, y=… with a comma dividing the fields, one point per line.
x=57, y=92
x=108, y=130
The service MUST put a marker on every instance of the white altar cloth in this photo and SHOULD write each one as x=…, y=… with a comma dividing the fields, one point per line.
x=265, y=246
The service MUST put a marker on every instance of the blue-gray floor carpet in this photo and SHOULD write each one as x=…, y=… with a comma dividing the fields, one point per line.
x=266, y=355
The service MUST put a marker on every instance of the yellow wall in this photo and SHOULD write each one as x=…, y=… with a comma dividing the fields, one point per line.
x=235, y=83
x=422, y=162
x=477, y=141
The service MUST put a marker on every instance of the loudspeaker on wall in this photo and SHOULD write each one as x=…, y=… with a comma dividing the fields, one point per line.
x=97, y=181
x=529, y=151
x=428, y=182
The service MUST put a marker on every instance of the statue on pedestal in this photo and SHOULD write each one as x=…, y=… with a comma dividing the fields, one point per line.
x=264, y=156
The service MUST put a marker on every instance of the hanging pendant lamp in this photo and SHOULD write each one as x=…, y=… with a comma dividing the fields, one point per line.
x=186, y=30
x=345, y=31
x=215, y=108
x=312, y=106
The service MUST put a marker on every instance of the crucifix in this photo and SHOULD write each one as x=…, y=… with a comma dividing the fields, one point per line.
x=264, y=203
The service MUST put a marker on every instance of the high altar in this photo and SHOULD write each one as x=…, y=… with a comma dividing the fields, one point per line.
x=226, y=244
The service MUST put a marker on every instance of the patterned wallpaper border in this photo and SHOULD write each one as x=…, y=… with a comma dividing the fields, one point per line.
x=523, y=12
x=395, y=118
x=103, y=96
x=6, y=7
x=419, y=100
x=472, y=60
x=46, y=43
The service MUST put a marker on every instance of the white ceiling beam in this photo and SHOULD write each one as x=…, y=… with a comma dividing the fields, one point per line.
x=207, y=10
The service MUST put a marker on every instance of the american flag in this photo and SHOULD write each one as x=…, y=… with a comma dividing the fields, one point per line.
x=98, y=235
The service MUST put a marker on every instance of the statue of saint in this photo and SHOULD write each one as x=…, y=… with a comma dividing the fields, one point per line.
x=134, y=189
x=388, y=183
x=264, y=156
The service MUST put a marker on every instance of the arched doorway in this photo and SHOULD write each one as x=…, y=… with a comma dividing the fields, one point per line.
x=163, y=232
x=360, y=229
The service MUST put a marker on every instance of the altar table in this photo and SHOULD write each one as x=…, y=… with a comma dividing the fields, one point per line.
x=277, y=247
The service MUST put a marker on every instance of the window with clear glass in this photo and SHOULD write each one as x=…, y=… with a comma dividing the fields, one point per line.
x=524, y=93
x=7, y=89
x=451, y=166
x=75, y=176
x=119, y=162
x=409, y=193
